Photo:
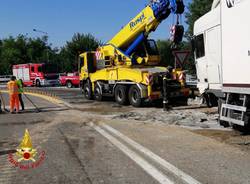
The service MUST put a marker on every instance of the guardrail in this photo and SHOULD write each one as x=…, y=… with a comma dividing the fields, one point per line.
x=4, y=78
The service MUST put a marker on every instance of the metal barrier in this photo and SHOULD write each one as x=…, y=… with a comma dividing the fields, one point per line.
x=4, y=78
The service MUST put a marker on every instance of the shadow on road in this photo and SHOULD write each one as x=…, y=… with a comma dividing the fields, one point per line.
x=6, y=152
x=44, y=109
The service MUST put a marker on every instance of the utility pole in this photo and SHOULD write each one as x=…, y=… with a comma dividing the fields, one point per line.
x=46, y=34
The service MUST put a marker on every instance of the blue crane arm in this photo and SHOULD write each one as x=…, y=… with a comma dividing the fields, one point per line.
x=145, y=22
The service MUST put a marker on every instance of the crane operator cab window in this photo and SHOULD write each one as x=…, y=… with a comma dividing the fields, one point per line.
x=151, y=48
x=143, y=52
x=146, y=48
x=140, y=51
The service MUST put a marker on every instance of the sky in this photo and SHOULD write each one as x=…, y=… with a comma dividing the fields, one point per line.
x=61, y=19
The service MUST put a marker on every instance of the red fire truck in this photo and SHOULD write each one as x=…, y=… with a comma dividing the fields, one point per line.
x=37, y=74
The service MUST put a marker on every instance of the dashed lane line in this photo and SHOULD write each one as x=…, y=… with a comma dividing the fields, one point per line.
x=163, y=163
x=146, y=166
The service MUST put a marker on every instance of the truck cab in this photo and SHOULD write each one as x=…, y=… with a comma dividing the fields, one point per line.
x=222, y=59
x=207, y=51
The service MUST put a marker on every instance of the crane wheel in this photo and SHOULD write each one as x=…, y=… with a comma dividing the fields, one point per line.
x=135, y=96
x=121, y=94
x=98, y=93
x=87, y=91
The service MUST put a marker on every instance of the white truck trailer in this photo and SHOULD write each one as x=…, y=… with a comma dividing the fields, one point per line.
x=222, y=53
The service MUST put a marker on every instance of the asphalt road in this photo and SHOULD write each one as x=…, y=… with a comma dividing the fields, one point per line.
x=101, y=142
x=75, y=152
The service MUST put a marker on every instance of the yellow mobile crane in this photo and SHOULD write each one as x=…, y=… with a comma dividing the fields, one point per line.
x=127, y=66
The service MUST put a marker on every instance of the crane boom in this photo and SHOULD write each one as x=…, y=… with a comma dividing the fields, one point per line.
x=144, y=23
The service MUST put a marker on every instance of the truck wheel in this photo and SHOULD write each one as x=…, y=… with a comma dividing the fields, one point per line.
x=69, y=84
x=38, y=83
x=213, y=100
x=98, y=93
x=182, y=101
x=210, y=99
x=87, y=91
x=121, y=94
x=135, y=96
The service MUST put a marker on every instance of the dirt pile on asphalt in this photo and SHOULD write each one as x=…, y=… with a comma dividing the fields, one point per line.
x=193, y=116
x=190, y=118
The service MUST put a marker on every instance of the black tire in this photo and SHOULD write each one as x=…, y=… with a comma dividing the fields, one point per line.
x=135, y=96
x=121, y=95
x=181, y=101
x=98, y=93
x=211, y=100
x=245, y=130
x=69, y=84
x=87, y=91
x=38, y=83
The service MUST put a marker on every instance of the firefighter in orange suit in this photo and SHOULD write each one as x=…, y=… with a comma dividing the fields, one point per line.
x=13, y=93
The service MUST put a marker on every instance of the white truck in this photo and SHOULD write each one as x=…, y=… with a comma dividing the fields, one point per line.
x=222, y=54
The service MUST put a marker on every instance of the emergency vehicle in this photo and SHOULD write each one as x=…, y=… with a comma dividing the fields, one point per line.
x=36, y=74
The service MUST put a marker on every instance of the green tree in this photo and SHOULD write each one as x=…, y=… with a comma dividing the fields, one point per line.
x=38, y=50
x=80, y=43
x=21, y=50
x=10, y=54
x=197, y=8
x=167, y=57
x=164, y=47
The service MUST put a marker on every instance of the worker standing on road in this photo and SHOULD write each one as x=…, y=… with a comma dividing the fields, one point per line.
x=20, y=92
x=13, y=95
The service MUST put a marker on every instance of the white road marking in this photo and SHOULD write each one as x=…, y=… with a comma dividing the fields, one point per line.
x=150, y=169
x=166, y=165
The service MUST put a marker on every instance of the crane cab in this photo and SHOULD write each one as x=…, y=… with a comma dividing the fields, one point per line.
x=146, y=53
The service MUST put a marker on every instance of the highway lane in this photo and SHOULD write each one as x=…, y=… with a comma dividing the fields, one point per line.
x=96, y=143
